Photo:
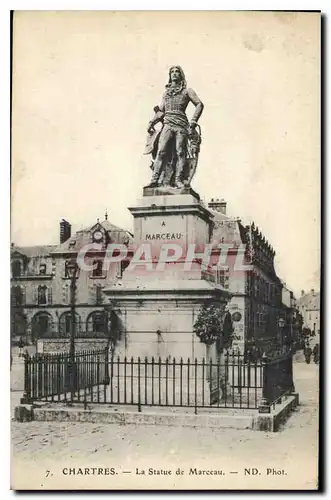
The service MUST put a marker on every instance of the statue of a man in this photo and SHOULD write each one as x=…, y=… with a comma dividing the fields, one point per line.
x=178, y=139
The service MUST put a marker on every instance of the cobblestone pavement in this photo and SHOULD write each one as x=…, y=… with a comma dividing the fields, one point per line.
x=293, y=450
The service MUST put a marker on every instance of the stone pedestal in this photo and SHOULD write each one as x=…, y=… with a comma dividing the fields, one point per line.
x=156, y=304
x=157, y=317
x=177, y=218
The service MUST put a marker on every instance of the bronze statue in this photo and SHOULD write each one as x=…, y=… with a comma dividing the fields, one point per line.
x=175, y=147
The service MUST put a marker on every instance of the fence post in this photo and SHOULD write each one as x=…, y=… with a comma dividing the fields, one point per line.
x=107, y=378
x=292, y=387
x=39, y=378
x=139, y=401
x=265, y=403
x=241, y=380
x=195, y=386
x=27, y=381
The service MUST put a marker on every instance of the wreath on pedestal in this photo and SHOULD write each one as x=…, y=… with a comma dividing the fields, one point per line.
x=214, y=324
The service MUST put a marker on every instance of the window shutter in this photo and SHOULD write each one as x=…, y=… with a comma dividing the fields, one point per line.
x=50, y=296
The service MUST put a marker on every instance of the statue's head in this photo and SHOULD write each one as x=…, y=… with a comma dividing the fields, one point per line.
x=176, y=75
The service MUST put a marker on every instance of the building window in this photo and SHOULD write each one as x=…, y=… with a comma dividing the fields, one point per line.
x=16, y=268
x=42, y=295
x=18, y=325
x=97, y=271
x=17, y=296
x=41, y=325
x=42, y=269
x=96, y=322
x=65, y=323
x=222, y=277
x=66, y=274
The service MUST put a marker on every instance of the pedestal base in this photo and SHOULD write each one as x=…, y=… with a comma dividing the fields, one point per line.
x=168, y=190
x=157, y=318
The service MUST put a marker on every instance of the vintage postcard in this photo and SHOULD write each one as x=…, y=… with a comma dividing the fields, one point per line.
x=165, y=250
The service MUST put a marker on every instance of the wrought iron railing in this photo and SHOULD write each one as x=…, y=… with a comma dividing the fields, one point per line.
x=231, y=381
x=59, y=377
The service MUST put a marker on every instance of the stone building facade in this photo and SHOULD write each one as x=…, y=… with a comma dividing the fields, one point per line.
x=309, y=306
x=40, y=287
x=249, y=274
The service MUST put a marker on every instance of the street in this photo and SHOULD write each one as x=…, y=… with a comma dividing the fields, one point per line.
x=287, y=459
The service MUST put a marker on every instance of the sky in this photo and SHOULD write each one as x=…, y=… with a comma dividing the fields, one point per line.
x=84, y=88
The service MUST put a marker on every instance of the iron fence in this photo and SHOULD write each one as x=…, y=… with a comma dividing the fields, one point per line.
x=223, y=383
x=230, y=381
x=58, y=377
x=277, y=379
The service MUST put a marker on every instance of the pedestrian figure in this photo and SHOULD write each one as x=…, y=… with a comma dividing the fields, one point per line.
x=307, y=352
x=21, y=347
x=254, y=354
x=316, y=353
x=247, y=356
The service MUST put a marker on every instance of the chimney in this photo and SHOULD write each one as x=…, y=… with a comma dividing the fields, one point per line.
x=312, y=291
x=302, y=292
x=217, y=205
x=65, y=231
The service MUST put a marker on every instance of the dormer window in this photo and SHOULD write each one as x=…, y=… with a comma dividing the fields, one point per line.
x=42, y=269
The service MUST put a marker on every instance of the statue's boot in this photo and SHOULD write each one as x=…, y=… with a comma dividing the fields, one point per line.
x=178, y=181
x=156, y=175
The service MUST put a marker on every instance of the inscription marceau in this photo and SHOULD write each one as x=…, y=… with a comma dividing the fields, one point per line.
x=163, y=236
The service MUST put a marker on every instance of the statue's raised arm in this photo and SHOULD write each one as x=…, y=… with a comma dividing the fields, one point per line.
x=175, y=147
